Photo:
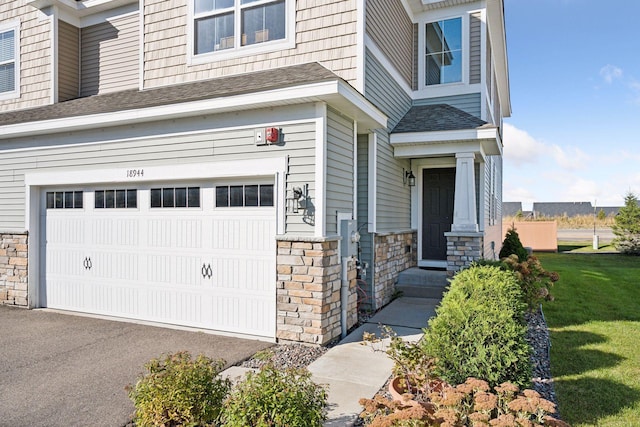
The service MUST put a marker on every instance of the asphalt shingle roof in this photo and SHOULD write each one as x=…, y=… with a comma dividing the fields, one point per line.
x=438, y=117
x=570, y=209
x=258, y=81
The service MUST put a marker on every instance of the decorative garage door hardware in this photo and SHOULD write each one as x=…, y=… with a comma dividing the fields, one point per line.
x=87, y=263
x=207, y=271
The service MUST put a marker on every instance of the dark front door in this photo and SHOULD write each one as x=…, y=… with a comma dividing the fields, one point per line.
x=437, y=211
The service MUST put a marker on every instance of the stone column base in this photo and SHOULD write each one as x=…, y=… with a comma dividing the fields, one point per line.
x=13, y=269
x=308, y=296
x=463, y=248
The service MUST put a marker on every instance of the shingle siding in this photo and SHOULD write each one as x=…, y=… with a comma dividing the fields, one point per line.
x=325, y=32
x=35, y=55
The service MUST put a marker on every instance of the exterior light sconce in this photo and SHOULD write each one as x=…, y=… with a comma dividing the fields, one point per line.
x=297, y=196
x=409, y=178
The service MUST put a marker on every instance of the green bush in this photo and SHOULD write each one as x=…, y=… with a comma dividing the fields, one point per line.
x=276, y=398
x=179, y=391
x=512, y=245
x=479, y=329
x=535, y=282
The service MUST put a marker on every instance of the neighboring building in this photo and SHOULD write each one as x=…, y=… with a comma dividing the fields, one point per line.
x=189, y=161
x=511, y=209
x=570, y=209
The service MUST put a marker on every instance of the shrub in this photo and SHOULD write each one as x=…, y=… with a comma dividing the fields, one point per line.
x=411, y=364
x=627, y=226
x=479, y=329
x=535, y=282
x=179, y=391
x=469, y=404
x=512, y=245
x=276, y=398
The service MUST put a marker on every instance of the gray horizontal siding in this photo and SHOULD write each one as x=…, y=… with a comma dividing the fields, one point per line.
x=109, y=56
x=339, y=168
x=493, y=231
x=469, y=103
x=381, y=89
x=393, y=196
x=68, y=61
x=391, y=29
x=366, y=239
x=475, y=35
x=205, y=147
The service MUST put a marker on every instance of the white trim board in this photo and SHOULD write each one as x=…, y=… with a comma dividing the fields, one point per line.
x=334, y=92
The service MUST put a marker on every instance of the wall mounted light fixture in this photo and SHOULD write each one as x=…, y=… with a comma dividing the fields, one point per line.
x=409, y=178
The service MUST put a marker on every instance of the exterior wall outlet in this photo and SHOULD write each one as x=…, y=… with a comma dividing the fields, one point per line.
x=259, y=138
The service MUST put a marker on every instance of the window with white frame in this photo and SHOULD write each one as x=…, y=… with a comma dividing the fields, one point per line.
x=443, y=62
x=9, y=66
x=233, y=24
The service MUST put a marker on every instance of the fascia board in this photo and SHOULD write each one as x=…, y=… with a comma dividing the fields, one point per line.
x=81, y=9
x=332, y=92
x=427, y=137
x=441, y=149
x=497, y=33
x=484, y=140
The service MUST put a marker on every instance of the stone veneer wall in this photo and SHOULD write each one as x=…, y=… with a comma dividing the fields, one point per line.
x=394, y=252
x=462, y=250
x=13, y=269
x=308, y=294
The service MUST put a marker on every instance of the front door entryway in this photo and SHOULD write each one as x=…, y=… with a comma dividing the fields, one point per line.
x=438, y=186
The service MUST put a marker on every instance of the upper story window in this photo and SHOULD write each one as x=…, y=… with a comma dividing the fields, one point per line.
x=443, y=52
x=9, y=63
x=233, y=24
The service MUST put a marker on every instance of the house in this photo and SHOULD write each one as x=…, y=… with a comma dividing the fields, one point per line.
x=193, y=162
x=570, y=209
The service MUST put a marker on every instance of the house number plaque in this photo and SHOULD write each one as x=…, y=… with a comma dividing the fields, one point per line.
x=135, y=173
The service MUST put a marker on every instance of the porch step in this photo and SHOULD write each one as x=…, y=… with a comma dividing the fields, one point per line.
x=422, y=283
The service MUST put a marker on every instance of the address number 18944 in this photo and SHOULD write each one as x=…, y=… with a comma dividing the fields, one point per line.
x=135, y=173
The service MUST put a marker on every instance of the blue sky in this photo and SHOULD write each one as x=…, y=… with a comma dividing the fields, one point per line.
x=574, y=132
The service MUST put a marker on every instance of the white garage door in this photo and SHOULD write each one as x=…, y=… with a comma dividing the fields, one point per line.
x=193, y=255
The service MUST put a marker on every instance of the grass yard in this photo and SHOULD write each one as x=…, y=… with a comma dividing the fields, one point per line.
x=595, y=336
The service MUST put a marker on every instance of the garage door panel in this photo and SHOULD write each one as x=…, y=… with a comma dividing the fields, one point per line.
x=159, y=233
x=66, y=230
x=203, y=267
x=114, y=231
x=188, y=233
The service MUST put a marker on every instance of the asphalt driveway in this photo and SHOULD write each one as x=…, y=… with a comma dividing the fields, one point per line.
x=63, y=370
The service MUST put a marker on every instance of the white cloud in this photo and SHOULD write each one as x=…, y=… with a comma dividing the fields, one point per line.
x=609, y=73
x=519, y=146
x=571, y=158
x=518, y=194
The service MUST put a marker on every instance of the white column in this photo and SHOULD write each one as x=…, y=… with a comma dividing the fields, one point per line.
x=464, y=207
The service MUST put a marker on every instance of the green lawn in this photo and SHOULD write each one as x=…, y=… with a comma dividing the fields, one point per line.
x=595, y=336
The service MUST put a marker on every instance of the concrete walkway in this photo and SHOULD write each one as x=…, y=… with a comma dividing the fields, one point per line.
x=353, y=371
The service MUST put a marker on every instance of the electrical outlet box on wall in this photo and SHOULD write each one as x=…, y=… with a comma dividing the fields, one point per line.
x=259, y=137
